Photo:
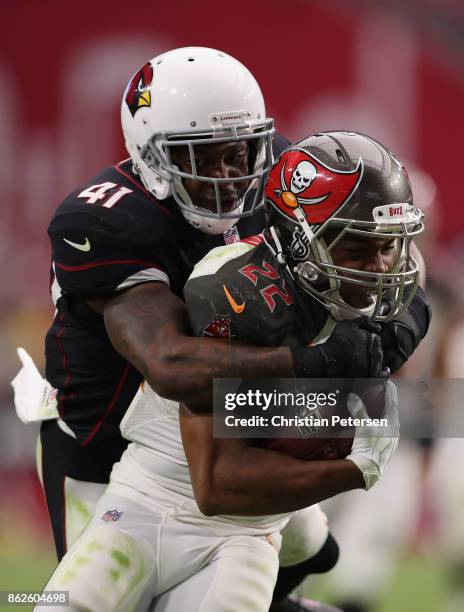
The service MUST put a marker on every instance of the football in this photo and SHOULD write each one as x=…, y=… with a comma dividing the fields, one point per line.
x=315, y=447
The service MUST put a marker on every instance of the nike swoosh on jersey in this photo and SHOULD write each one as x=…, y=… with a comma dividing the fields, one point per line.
x=85, y=246
x=238, y=308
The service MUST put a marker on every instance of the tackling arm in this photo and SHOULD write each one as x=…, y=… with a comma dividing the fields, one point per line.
x=148, y=325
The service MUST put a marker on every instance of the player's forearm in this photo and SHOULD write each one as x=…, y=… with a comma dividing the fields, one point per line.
x=234, y=476
x=192, y=364
x=148, y=325
x=267, y=482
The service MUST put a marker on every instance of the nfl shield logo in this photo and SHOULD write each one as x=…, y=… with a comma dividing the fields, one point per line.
x=231, y=235
x=111, y=515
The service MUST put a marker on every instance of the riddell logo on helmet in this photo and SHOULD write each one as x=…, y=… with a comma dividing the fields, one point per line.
x=138, y=91
x=299, y=180
x=229, y=117
x=395, y=211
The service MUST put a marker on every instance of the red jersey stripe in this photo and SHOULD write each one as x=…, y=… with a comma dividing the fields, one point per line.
x=110, y=406
x=108, y=262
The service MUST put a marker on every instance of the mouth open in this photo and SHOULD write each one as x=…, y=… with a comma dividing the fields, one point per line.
x=361, y=298
x=227, y=205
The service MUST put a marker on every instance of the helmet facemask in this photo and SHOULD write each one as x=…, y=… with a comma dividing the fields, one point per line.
x=320, y=276
x=161, y=148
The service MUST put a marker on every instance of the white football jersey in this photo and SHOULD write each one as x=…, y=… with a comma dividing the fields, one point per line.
x=154, y=468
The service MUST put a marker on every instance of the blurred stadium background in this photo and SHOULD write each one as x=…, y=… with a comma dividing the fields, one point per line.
x=391, y=69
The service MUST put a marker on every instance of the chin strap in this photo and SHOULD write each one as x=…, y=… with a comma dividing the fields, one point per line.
x=207, y=225
x=299, y=214
x=276, y=250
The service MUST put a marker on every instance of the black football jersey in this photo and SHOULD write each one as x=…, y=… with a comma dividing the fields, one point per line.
x=241, y=292
x=108, y=235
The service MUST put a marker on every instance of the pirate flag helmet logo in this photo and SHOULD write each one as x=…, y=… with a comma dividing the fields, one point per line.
x=299, y=180
x=138, y=91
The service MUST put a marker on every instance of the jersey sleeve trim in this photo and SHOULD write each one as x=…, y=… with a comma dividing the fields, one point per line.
x=144, y=276
x=107, y=262
x=141, y=188
x=218, y=257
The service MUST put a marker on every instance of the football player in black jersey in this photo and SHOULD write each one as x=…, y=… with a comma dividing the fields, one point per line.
x=123, y=245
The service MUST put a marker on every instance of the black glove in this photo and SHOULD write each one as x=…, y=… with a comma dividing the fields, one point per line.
x=353, y=350
x=400, y=337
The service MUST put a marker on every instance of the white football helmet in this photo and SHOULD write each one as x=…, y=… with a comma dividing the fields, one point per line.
x=188, y=97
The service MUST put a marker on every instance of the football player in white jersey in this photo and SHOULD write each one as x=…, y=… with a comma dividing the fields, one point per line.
x=204, y=524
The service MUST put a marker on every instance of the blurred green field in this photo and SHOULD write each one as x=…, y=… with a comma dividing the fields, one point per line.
x=20, y=571
x=418, y=585
x=26, y=555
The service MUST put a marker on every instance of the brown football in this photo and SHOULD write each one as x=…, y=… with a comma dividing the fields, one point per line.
x=338, y=446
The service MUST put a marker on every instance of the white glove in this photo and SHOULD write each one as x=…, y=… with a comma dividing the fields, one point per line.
x=370, y=452
x=34, y=397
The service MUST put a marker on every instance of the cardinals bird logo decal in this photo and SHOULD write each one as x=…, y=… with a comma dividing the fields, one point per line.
x=138, y=91
x=301, y=180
